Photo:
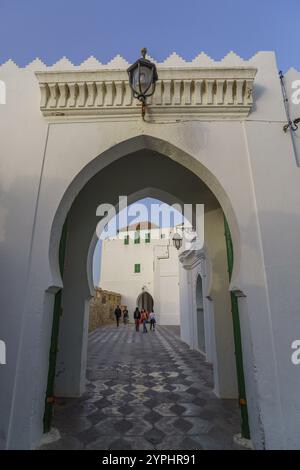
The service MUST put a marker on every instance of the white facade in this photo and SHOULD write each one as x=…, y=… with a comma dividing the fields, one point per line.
x=158, y=266
x=214, y=135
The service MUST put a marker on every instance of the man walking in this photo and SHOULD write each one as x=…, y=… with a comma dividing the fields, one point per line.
x=137, y=316
x=118, y=314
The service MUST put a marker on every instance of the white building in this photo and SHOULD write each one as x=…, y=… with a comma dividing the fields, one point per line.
x=142, y=265
x=72, y=138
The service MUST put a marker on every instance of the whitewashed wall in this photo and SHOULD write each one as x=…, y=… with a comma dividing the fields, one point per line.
x=159, y=268
x=250, y=166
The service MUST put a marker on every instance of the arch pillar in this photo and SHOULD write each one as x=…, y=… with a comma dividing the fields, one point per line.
x=211, y=265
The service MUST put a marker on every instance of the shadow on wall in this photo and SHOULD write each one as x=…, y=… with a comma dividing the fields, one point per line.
x=258, y=92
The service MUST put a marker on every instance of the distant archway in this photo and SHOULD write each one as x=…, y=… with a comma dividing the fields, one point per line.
x=145, y=301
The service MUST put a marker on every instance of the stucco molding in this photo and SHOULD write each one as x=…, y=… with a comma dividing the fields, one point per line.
x=181, y=93
x=191, y=259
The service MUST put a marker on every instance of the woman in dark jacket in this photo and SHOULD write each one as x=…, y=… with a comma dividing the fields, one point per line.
x=137, y=316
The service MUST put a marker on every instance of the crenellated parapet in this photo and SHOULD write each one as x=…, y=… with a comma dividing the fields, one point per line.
x=202, y=88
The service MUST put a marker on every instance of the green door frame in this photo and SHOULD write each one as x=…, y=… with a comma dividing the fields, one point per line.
x=237, y=339
x=57, y=312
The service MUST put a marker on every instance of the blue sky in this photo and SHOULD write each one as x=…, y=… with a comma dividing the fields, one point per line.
x=77, y=29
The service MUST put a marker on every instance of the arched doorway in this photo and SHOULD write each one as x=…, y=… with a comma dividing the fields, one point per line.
x=145, y=301
x=200, y=315
x=161, y=174
x=167, y=171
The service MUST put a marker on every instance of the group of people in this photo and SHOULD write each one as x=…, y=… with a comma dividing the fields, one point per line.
x=140, y=318
x=118, y=315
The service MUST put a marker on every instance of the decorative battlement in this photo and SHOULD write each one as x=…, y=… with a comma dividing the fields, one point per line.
x=208, y=92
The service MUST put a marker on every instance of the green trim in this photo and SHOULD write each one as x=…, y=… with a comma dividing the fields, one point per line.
x=237, y=339
x=49, y=401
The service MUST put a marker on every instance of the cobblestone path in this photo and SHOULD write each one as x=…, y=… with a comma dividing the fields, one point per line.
x=145, y=391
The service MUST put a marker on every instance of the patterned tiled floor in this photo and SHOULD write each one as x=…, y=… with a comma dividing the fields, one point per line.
x=145, y=391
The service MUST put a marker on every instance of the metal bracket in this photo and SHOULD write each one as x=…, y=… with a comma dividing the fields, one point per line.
x=291, y=125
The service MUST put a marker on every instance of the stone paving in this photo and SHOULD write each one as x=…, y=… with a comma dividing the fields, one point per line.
x=145, y=391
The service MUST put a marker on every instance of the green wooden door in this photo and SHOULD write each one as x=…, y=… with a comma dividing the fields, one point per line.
x=57, y=311
x=237, y=340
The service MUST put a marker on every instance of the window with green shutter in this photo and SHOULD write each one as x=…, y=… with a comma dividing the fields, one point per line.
x=147, y=238
x=137, y=268
x=126, y=240
x=137, y=237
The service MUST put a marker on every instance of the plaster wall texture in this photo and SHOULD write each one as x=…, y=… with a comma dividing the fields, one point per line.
x=250, y=166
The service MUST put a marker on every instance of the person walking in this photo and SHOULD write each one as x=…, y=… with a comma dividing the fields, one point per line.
x=125, y=315
x=137, y=318
x=144, y=319
x=118, y=314
x=152, y=319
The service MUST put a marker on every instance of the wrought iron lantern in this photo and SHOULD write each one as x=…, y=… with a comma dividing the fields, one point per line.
x=142, y=79
x=177, y=240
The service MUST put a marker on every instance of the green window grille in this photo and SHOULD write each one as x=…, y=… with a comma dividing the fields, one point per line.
x=137, y=268
x=147, y=238
x=126, y=240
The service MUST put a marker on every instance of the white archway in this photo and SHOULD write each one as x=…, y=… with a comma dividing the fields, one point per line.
x=81, y=182
x=72, y=356
x=138, y=143
x=227, y=152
